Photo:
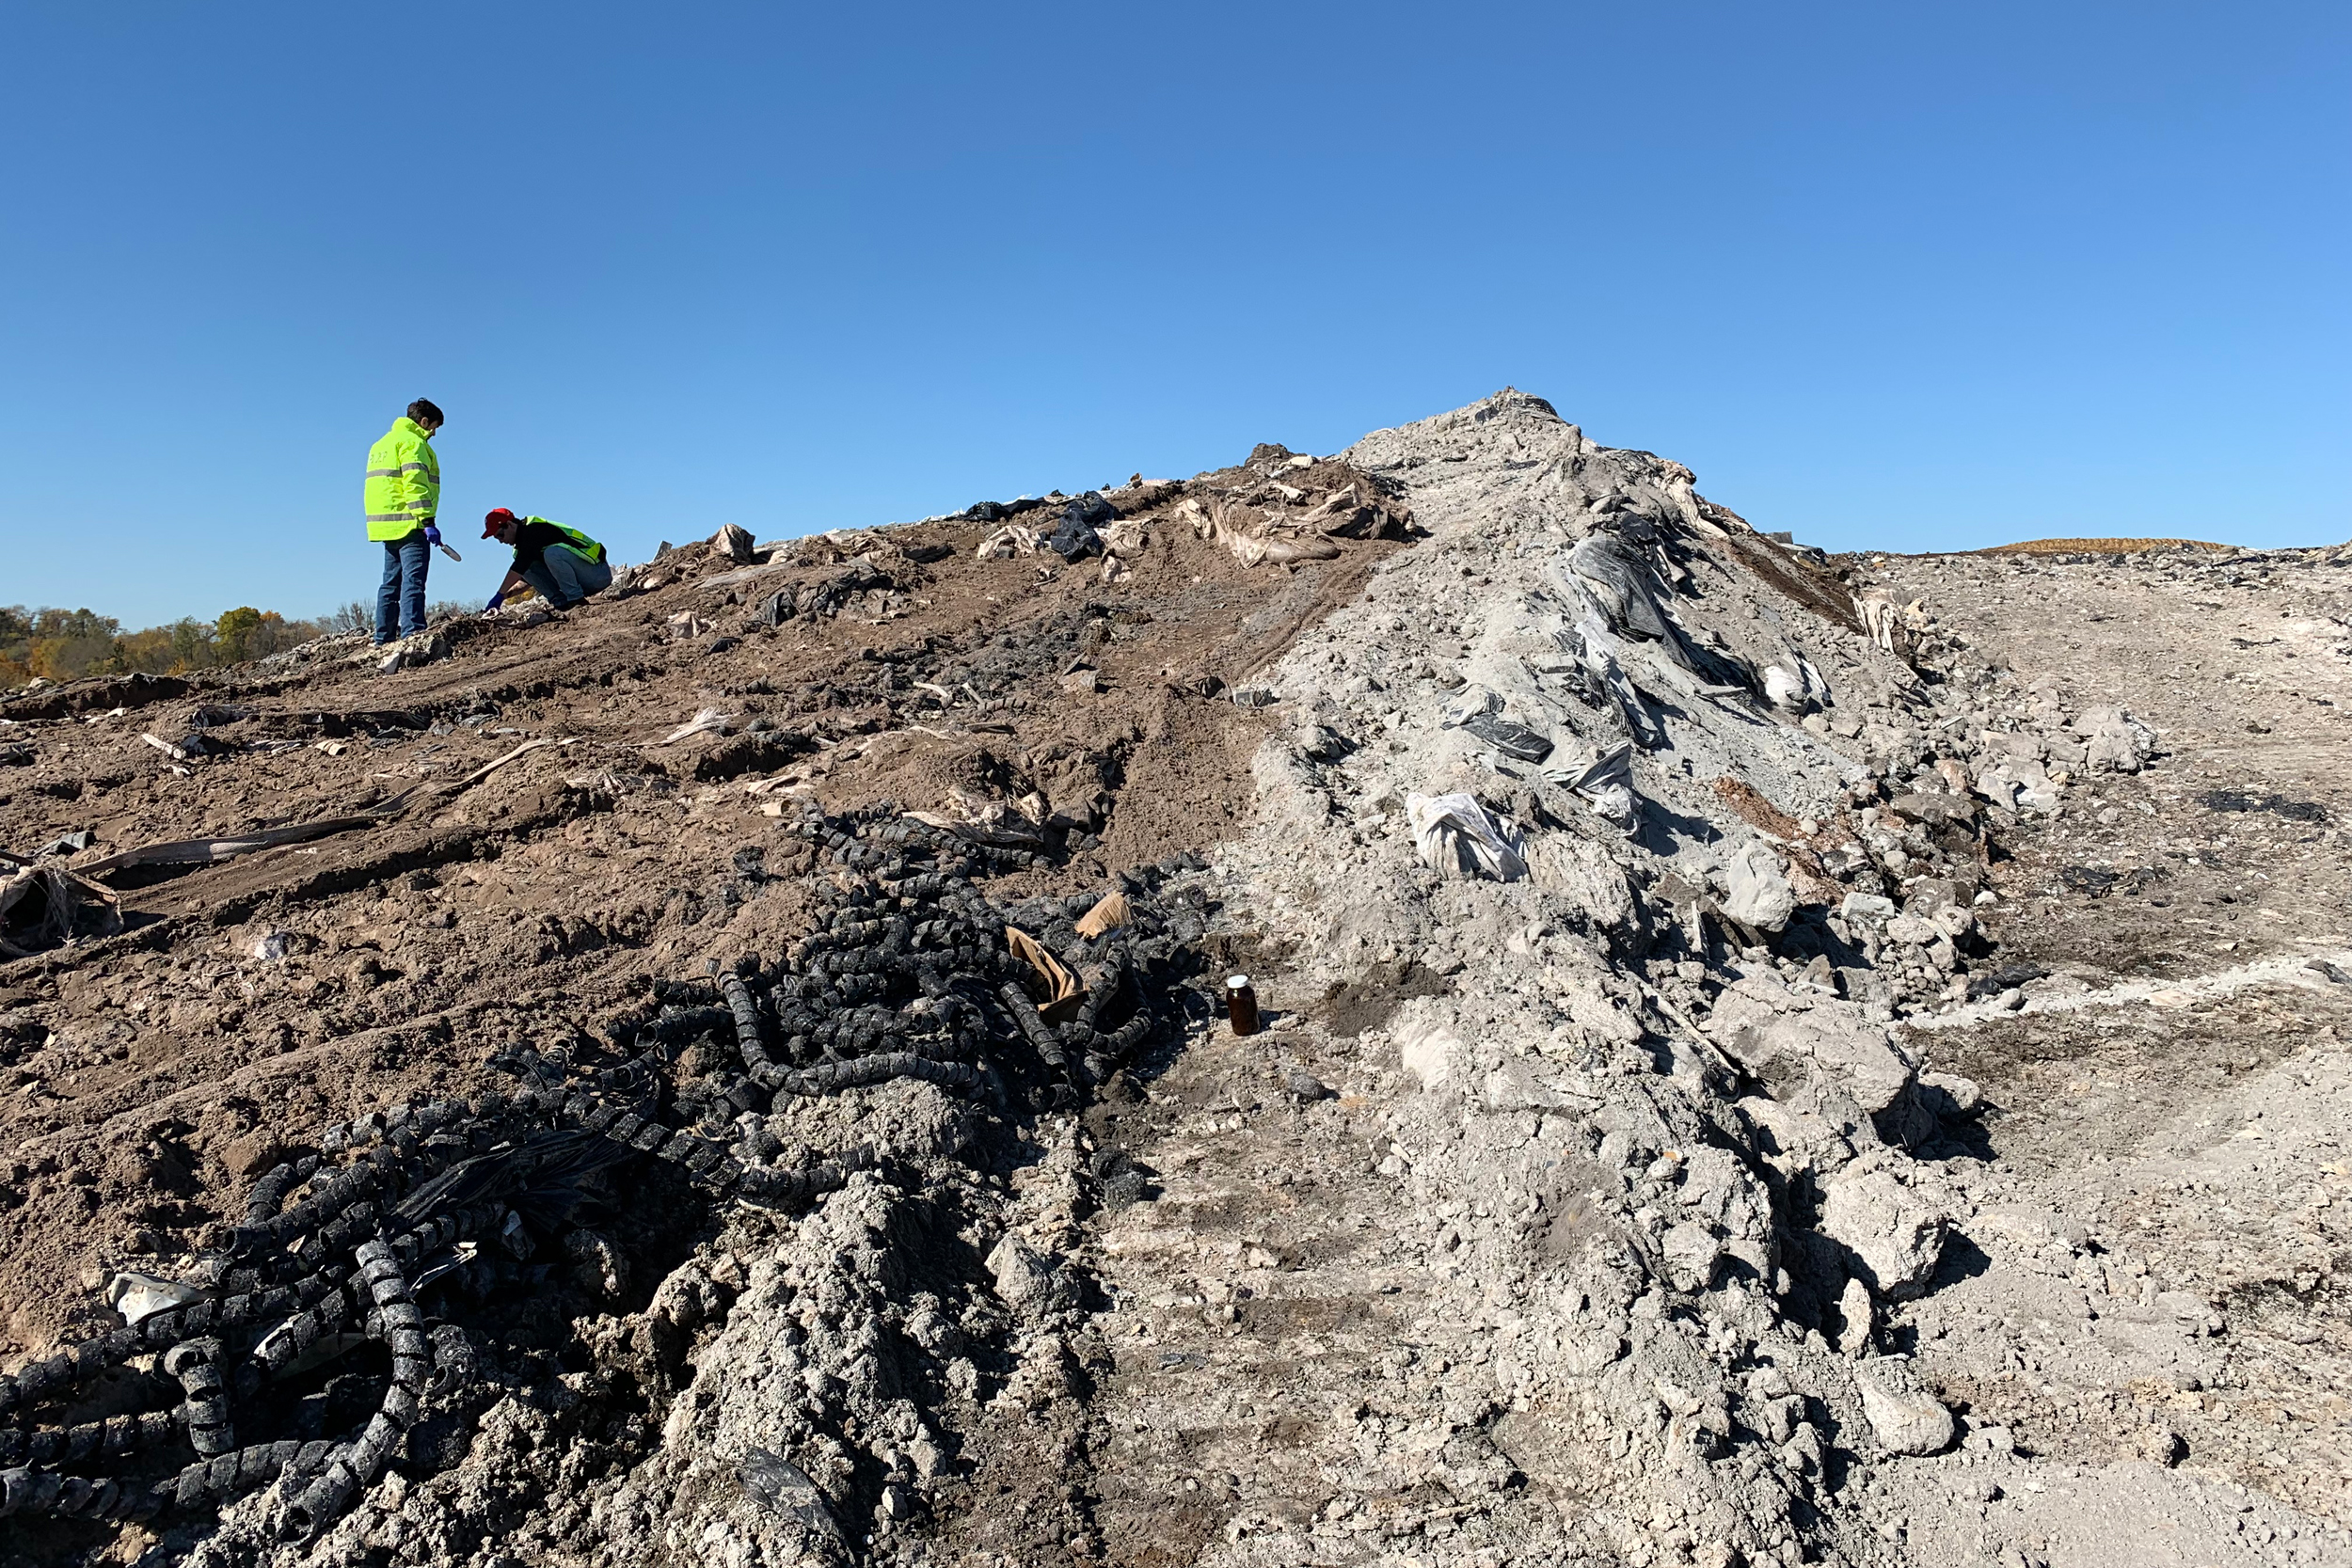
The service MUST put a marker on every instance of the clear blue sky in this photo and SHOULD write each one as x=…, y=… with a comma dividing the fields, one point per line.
x=1889, y=275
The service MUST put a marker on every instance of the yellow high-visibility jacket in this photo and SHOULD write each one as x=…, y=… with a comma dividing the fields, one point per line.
x=403, y=481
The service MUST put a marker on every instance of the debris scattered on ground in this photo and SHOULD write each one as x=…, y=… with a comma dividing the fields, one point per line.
x=44, y=906
x=733, y=543
x=1763, y=1057
x=1457, y=836
x=708, y=720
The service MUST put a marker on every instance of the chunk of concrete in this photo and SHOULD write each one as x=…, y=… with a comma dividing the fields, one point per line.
x=1795, y=1142
x=1910, y=931
x=1795, y=1046
x=1691, y=1251
x=1429, y=1052
x=1757, y=890
x=1866, y=906
x=1894, y=1236
x=1027, y=1280
x=1905, y=1417
x=2113, y=740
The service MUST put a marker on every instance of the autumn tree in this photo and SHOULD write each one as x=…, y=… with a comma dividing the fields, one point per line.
x=233, y=632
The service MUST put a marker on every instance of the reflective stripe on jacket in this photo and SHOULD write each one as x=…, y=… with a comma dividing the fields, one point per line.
x=402, y=490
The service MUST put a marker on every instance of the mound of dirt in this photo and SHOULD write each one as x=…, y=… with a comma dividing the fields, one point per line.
x=2102, y=547
x=1767, y=1059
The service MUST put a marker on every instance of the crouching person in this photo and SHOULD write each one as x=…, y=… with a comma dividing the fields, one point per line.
x=561, y=564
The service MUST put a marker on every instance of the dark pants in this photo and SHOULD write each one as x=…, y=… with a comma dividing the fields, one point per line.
x=563, y=577
x=401, y=600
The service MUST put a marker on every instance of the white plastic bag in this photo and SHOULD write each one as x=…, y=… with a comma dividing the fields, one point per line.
x=1458, y=837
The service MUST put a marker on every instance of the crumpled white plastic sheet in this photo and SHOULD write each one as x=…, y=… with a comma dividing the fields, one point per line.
x=140, y=1296
x=1008, y=542
x=1794, y=684
x=1458, y=837
x=1605, y=785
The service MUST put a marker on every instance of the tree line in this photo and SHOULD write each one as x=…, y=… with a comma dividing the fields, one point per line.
x=66, y=644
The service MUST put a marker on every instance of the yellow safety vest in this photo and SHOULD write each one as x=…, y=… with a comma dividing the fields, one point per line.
x=575, y=540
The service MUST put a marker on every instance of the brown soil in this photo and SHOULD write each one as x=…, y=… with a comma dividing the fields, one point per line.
x=152, y=1074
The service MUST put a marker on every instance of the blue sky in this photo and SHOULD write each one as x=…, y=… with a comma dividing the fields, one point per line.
x=1895, y=277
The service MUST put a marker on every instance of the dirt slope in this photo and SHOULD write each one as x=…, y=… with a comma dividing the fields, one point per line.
x=1878, y=1096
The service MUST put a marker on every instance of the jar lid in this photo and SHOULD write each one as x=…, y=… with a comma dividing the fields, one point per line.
x=1237, y=982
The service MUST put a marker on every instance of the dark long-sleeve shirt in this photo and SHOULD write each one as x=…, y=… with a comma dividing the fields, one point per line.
x=531, y=544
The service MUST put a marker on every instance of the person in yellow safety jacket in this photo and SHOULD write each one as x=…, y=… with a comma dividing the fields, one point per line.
x=402, y=497
x=561, y=564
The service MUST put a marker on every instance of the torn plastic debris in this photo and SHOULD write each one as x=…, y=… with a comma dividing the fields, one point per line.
x=1123, y=540
x=1073, y=540
x=996, y=836
x=1605, y=785
x=1514, y=740
x=1455, y=837
x=1064, y=995
x=140, y=1296
x=43, y=905
x=1617, y=577
x=1595, y=651
x=277, y=1350
x=708, y=720
x=1107, y=916
x=1477, y=711
x=1783, y=689
x=1232, y=526
x=1893, y=628
x=1008, y=542
x=1074, y=537
x=1620, y=580
x=207, y=852
x=733, y=543
x=1469, y=704
x=1346, y=514
x=998, y=821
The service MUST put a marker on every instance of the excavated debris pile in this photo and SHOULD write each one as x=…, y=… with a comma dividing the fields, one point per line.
x=1650, y=831
x=412, y=1242
x=1624, y=1177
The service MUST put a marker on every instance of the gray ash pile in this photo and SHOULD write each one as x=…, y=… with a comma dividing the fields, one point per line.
x=384, y=1288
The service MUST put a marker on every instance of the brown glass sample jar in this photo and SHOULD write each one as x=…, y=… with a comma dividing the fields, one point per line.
x=1241, y=1004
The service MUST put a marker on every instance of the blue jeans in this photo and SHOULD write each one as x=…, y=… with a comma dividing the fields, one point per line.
x=403, y=594
x=563, y=577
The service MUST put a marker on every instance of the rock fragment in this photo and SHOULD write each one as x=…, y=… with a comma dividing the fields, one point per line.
x=1904, y=1418
x=1894, y=1237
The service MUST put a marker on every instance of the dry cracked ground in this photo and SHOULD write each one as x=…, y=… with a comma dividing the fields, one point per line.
x=1767, y=1059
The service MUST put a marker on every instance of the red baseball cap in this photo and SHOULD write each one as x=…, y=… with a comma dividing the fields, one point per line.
x=494, y=520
